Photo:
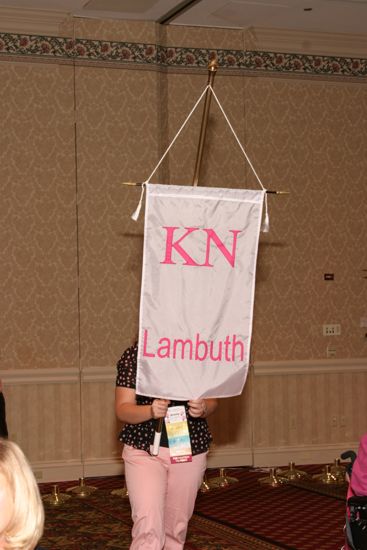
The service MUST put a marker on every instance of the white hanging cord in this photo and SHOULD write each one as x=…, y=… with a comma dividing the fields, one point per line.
x=135, y=215
x=178, y=133
x=265, y=225
x=235, y=135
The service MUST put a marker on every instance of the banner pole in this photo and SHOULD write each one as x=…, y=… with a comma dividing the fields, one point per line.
x=268, y=191
x=212, y=68
x=157, y=436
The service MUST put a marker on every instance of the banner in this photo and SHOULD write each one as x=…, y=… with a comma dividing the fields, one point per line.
x=197, y=294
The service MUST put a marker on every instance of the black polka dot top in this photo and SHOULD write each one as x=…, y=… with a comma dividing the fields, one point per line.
x=141, y=435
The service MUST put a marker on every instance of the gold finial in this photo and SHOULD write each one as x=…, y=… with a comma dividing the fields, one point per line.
x=213, y=65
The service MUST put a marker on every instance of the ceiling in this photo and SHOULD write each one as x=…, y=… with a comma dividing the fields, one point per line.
x=332, y=16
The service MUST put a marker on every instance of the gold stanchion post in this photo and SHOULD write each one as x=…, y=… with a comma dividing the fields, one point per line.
x=123, y=493
x=205, y=487
x=273, y=480
x=292, y=473
x=222, y=480
x=326, y=476
x=55, y=497
x=338, y=471
x=213, y=66
x=82, y=490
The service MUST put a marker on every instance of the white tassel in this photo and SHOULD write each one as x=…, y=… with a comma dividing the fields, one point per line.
x=135, y=214
x=266, y=223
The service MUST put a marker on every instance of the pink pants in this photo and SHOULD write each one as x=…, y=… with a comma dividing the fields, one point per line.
x=162, y=497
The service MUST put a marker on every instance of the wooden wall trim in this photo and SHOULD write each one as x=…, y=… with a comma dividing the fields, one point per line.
x=226, y=458
x=221, y=458
x=99, y=453
x=316, y=366
x=108, y=373
x=40, y=376
x=54, y=471
x=58, y=375
x=99, y=374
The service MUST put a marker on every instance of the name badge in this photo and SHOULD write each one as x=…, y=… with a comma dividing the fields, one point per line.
x=178, y=435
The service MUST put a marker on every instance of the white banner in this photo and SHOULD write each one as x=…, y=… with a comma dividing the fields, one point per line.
x=197, y=295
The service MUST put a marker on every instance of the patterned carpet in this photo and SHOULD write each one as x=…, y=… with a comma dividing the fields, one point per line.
x=292, y=518
x=243, y=516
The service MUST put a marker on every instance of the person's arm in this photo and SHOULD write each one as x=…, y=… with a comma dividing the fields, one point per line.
x=3, y=426
x=128, y=411
x=202, y=408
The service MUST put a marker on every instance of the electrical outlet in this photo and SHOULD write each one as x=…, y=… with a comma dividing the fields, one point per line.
x=331, y=330
x=330, y=351
x=334, y=421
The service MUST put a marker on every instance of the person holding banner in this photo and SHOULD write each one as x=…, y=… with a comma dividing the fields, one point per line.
x=163, y=488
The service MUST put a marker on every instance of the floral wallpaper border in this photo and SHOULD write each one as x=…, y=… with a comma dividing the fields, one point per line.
x=58, y=48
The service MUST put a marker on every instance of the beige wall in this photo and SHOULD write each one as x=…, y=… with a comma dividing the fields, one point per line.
x=71, y=256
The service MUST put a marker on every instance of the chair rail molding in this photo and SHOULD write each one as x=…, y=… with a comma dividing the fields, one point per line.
x=313, y=366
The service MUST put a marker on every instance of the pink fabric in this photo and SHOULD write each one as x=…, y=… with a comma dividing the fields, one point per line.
x=162, y=497
x=358, y=482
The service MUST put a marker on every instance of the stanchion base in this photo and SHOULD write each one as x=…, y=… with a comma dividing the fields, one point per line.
x=222, y=480
x=120, y=492
x=82, y=490
x=56, y=498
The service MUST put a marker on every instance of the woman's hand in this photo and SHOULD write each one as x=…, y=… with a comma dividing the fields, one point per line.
x=128, y=411
x=197, y=408
x=201, y=408
x=159, y=408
